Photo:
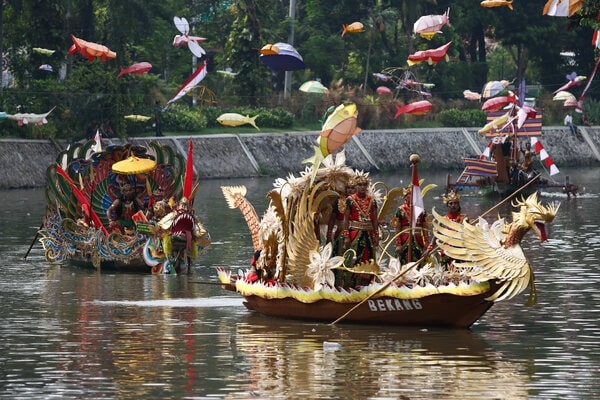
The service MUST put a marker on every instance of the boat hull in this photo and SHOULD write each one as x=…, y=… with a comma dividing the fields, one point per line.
x=440, y=310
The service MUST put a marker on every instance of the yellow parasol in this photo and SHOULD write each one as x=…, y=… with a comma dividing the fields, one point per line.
x=133, y=165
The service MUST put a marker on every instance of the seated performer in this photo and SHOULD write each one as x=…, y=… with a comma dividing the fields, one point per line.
x=122, y=209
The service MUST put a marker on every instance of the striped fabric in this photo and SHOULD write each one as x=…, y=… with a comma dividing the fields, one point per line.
x=531, y=127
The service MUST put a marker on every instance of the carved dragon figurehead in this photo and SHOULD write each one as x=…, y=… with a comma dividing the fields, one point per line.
x=532, y=215
x=493, y=252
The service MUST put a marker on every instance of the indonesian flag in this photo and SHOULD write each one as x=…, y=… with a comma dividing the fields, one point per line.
x=548, y=162
x=98, y=139
x=192, y=81
x=417, y=199
x=189, y=172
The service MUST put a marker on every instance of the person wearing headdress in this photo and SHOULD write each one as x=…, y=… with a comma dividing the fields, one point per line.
x=120, y=212
x=402, y=222
x=452, y=202
x=360, y=226
x=336, y=220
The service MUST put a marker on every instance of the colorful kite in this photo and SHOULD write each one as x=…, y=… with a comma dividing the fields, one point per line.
x=185, y=39
x=91, y=50
x=137, y=68
x=416, y=108
x=192, y=81
x=562, y=8
x=281, y=57
x=497, y=3
x=428, y=25
x=354, y=27
x=432, y=56
x=29, y=118
x=573, y=80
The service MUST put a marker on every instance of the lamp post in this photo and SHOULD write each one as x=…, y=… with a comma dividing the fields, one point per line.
x=287, y=83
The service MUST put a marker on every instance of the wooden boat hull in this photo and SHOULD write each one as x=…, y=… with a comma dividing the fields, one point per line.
x=442, y=310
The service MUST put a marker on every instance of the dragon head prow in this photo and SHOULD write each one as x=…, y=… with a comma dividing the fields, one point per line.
x=534, y=215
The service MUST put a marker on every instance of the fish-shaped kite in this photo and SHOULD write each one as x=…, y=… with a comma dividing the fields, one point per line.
x=354, y=27
x=382, y=77
x=337, y=130
x=432, y=56
x=497, y=3
x=91, y=50
x=184, y=39
x=137, y=118
x=563, y=96
x=29, y=118
x=573, y=80
x=383, y=91
x=137, y=68
x=416, y=108
x=524, y=113
x=496, y=124
x=427, y=26
x=235, y=119
x=562, y=8
x=470, y=95
x=45, y=52
x=497, y=103
x=46, y=67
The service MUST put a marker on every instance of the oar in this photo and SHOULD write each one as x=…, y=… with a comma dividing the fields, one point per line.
x=37, y=233
x=207, y=283
x=420, y=260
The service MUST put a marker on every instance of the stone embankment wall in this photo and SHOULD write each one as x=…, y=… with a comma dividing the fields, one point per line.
x=23, y=163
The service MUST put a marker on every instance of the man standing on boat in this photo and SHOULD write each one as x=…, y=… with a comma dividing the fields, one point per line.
x=360, y=226
x=452, y=202
x=416, y=239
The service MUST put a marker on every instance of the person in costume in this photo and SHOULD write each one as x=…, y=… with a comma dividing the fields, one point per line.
x=402, y=224
x=336, y=220
x=452, y=202
x=360, y=226
x=120, y=213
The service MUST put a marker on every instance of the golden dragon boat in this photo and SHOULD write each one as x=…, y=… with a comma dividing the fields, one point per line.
x=294, y=273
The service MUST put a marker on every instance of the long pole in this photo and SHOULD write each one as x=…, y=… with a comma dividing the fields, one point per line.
x=37, y=233
x=287, y=83
x=420, y=260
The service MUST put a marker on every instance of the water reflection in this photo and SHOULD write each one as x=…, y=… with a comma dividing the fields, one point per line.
x=70, y=333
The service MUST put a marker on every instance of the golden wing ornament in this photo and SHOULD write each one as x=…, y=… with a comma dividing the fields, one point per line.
x=480, y=249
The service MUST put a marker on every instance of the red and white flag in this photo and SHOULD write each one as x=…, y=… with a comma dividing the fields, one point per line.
x=192, y=81
x=417, y=199
x=544, y=156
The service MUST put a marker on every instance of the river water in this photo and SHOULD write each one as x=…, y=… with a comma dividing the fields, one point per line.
x=70, y=333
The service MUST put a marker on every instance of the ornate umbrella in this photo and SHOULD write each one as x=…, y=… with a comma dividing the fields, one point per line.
x=133, y=165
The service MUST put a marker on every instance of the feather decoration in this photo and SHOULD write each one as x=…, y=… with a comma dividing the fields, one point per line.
x=235, y=197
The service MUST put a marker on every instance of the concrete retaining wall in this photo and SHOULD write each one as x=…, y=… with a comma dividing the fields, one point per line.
x=23, y=162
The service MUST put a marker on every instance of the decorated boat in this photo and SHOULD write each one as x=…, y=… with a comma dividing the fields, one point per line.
x=126, y=207
x=295, y=271
x=508, y=161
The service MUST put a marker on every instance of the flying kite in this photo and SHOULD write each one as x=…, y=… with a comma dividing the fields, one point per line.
x=45, y=52
x=46, y=68
x=563, y=96
x=354, y=27
x=562, y=8
x=188, y=85
x=227, y=72
x=183, y=26
x=28, y=118
x=337, y=130
x=91, y=50
x=497, y=124
x=234, y=119
x=281, y=57
x=137, y=118
x=573, y=80
x=428, y=25
x=470, y=95
x=524, y=113
x=416, y=108
x=492, y=88
x=497, y=103
x=497, y=3
x=432, y=56
x=137, y=68
x=313, y=87
x=383, y=91
x=382, y=77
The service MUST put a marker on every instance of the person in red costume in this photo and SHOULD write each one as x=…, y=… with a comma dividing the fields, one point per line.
x=452, y=202
x=336, y=220
x=360, y=226
x=402, y=223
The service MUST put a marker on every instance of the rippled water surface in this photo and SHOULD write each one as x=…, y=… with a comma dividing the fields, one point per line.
x=70, y=333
